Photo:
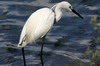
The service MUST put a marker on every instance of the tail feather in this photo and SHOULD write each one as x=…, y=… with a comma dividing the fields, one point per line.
x=22, y=43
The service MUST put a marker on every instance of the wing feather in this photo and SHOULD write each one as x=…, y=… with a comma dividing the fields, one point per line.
x=37, y=25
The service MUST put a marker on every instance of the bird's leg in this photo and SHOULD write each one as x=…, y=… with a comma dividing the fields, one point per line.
x=24, y=56
x=41, y=53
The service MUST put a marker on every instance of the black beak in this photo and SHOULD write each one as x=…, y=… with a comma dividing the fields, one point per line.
x=77, y=13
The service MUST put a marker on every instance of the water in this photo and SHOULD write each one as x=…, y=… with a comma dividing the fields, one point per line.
x=66, y=43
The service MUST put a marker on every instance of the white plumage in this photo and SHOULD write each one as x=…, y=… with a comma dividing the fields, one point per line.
x=41, y=21
x=36, y=28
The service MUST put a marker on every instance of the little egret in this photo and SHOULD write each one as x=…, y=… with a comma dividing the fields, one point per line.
x=39, y=24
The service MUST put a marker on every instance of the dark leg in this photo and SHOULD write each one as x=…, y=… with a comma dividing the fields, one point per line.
x=41, y=53
x=23, y=56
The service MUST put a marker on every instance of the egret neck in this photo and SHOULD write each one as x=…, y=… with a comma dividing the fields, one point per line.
x=58, y=12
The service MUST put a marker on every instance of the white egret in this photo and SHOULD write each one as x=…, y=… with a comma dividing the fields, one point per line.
x=40, y=23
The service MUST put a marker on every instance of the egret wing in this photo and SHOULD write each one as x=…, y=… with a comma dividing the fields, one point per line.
x=37, y=25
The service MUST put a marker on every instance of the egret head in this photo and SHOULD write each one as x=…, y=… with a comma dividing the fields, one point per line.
x=69, y=7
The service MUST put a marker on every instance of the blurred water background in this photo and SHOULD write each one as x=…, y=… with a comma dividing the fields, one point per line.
x=65, y=45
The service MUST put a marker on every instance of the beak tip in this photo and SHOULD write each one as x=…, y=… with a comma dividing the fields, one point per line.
x=82, y=18
x=77, y=13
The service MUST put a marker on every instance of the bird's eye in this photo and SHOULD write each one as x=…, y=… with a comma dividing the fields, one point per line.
x=70, y=7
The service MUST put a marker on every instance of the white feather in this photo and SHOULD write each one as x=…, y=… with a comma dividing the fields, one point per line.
x=41, y=21
x=38, y=24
